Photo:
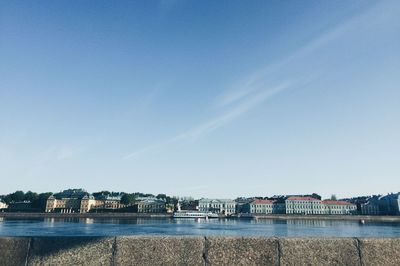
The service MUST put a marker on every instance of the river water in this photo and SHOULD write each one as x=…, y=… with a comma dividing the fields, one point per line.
x=212, y=227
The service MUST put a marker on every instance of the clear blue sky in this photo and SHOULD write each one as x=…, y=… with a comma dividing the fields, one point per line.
x=200, y=98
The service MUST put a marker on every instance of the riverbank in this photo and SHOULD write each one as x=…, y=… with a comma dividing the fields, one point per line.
x=329, y=217
x=21, y=215
x=27, y=215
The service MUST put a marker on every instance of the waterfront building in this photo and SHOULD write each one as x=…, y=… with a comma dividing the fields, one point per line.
x=242, y=205
x=338, y=207
x=389, y=204
x=20, y=206
x=278, y=207
x=369, y=208
x=67, y=201
x=303, y=205
x=63, y=205
x=112, y=203
x=89, y=203
x=189, y=204
x=260, y=206
x=79, y=201
x=108, y=202
x=3, y=205
x=310, y=205
x=220, y=206
x=381, y=205
x=150, y=205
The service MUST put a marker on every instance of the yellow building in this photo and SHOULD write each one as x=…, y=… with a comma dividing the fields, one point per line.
x=88, y=203
x=78, y=201
x=63, y=205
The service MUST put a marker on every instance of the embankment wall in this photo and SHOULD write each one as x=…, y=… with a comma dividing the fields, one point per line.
x=171, y=250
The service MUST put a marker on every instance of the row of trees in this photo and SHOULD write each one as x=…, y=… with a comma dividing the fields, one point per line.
x=39, y=200
x=129, y=198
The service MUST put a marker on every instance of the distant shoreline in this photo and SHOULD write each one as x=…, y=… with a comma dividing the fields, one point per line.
x=330, y=217
x=23, y=215
x=28, y=215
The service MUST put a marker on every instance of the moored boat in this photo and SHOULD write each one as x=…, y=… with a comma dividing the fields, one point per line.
x=194, y=214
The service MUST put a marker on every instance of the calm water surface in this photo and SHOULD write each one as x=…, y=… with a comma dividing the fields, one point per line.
x=167, y=226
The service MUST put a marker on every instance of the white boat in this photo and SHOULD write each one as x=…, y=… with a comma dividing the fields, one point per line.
x=194, y=214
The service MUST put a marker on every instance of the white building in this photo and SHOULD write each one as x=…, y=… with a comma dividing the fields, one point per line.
x=222, y=206
x=260, y=206
x=3, y=205
x=309, y=205
x=303, y=205
x=338, y=207
x=150, y=205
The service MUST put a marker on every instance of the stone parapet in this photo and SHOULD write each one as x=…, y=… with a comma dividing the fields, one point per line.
x=188, y=250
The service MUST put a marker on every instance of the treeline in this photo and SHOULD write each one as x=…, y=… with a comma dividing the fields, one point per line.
x=38, y=201
x=129, y=198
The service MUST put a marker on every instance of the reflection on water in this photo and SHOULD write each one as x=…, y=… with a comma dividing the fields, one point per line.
x=87, y=220
x=318, y=223
x=167, y=226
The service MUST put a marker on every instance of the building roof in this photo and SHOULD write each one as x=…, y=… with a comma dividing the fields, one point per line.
x=261, y=201
x=88, y=197
x=151, y=201
x=303, y=198
x=336, y=202
x=390, y=196
x=113, y=198
x=217, y=200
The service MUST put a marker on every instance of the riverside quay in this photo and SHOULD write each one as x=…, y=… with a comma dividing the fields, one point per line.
x=80, y=201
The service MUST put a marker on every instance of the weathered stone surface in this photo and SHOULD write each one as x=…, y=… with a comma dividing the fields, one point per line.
x=241, y=251
x=13, y=250
x=159, y=251
x=71, y=251
x=143, y=250
x=380, y=251
x=319, y=251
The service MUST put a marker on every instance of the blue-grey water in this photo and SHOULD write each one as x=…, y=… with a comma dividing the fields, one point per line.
x=167, y=226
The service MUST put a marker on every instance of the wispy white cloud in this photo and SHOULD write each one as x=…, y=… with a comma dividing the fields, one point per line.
x=262, y=84
x=227, y=117
x=215, y=122
x=248, y=85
